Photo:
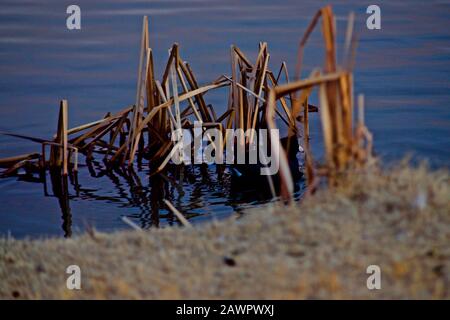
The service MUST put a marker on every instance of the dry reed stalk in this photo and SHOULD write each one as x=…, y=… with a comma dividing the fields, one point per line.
x=234, y=90
x=185, y=88
x=328, y=32
x=137, y=106
x=261, y=84
x=189, y=74
x=176, y=103
x=242, y=57
x=58, y=158
x=347, y=112
x=172, y=54
x=114, y=135
x=302, y=44
x=290, y=123
x=290, y=114
x=246, y=90
x=178, y=214
x=255, y=81
x=167, y=103
x=283, y=90
x=362, y=134
x=57, y=145
x=348, y=39
x=131, y=223
x=119, y=152
x=331, y=88
x=283, y=67
x=361, y=115
x=12, y=169
x=181, y=98
x=135, y=134
x=161, y=91
x=326, y=124
x=350, y=44
x=261, y=55
x=152, y=94
x=340, y=145
x=301, y=102
x=213, y=112
x=85, y=126
x=100, y=135
x=229, y=125
x=175, y=148
x=241, y=94
x=306, y=85
x=80, y=140
x=99, y=125
x=287, y=185
x=9, y=161
x=164, y=99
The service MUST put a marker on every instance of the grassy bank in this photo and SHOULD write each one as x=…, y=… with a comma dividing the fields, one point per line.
x=398, y=219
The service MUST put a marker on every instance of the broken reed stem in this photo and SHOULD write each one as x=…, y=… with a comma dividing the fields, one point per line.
x=58, y=157
x=234, y=91
x=131, y=223
x=261, y=83
x=9, y=161
x=286, y=185
x=178, y=214
x=135, y=137
x=144, y=56
x=283, y=90
x=302, y=44
x=348, y=40
x=194, y=86
x=185, y=88
x=361, y=110
x=96, y=126
x=290, y=114
x=178, y=129
x=326, y=123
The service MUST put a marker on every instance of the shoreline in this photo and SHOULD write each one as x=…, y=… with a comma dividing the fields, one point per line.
x=396, y=218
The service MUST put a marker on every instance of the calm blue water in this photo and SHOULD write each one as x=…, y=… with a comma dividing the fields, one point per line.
x=403, y=69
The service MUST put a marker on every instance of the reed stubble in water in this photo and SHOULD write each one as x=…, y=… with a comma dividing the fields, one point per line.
x=255, y=97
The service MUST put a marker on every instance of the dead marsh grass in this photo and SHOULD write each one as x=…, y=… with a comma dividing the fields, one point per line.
x=398, y=219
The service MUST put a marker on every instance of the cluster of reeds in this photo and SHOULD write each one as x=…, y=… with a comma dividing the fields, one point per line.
x=256, y=97
x=346, y=146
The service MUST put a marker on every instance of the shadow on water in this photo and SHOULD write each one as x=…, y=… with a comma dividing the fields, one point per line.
x=201, y=192
x=60, y=189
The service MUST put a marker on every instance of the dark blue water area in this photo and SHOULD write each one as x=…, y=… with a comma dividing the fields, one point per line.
x=403, y=70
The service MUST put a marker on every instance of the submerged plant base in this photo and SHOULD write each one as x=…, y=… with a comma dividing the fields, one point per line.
x=397, y=219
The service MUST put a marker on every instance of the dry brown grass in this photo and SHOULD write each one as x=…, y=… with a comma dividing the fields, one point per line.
x=398, y=219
